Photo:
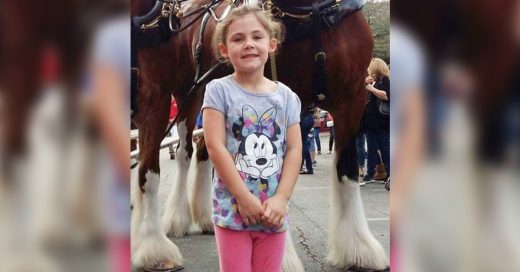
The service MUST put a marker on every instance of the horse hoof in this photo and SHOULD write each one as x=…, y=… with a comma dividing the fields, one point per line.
x=208, y=232
x=173, y=234
x=207, y=227
x=164, y=267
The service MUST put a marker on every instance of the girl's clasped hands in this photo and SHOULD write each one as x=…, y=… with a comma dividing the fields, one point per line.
x=270, y=213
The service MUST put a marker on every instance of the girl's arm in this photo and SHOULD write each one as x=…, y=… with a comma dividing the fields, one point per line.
x=383, y=91
x=276, y=206
x=411, y=151
x=107, y=104
x=380, y=94
x=249, y=206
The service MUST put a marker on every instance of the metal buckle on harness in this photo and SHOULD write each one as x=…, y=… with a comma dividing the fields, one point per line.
x=152, y=24
x=173, y=10
x=320, y=55
x=223, y=15
x=321, y=97
x=277, y=12
x=169, y=10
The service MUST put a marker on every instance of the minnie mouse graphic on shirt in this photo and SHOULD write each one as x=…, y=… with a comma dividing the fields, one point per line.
x=257, y=154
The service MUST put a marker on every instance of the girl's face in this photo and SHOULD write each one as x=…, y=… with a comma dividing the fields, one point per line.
x=247, y=44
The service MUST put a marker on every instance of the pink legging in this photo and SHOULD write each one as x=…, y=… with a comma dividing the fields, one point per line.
x=245, y=251
x=119, y=248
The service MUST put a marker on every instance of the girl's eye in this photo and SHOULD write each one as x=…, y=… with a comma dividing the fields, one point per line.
x=258, y=37
x=237, y=39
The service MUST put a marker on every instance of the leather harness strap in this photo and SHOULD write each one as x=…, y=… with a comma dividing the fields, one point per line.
x=319, y=84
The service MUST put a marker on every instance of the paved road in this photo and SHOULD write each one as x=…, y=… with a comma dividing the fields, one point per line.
x=309, y=210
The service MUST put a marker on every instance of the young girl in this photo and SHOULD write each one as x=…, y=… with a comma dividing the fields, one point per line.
x=253, y=138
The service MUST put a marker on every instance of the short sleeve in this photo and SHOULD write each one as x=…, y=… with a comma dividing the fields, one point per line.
x=408, y=70
x=112, y=44
x=293, y=109
x=214, y=97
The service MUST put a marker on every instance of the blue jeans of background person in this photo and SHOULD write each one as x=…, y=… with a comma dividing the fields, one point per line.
x=360, y=144
x=316, y=132
x=331, y=138
x=377, y=139
x=310, y=139
x=306, y=123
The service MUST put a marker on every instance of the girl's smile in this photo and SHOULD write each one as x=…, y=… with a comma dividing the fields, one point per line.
x=249, y=56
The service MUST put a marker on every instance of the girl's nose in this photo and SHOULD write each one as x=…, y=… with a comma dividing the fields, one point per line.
x=249, y=43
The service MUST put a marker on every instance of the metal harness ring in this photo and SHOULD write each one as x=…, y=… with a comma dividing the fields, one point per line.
x=321, y=55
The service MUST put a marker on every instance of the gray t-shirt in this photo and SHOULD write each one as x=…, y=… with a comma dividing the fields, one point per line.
x=256, y=127
x=408, y=66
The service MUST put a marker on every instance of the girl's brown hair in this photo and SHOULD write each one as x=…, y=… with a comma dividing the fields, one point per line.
x=274, y=28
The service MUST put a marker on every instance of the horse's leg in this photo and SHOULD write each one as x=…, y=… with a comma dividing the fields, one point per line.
x=291, y=261
x=133, y=143
x=57, y=109
x=176, y=219
x=19, y=76
x=351, y=244
x=20, y=55
x=150, y=246
x=201, y=196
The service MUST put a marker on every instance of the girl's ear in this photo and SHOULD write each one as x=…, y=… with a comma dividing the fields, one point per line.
x=223, y=50
x=273, y=44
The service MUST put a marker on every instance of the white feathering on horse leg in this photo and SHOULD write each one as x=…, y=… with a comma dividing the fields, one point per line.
x=176, y=219
x=351, y=244
x=291, y=261
x=251, y=2
x=201, y=196
x=150, y=246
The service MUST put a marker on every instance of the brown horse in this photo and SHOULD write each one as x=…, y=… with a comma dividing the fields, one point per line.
x=26, y=29
x=170, y=67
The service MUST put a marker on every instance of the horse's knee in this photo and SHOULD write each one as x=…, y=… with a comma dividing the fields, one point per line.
x=145, y=167
x=347, y=162
x=202, y=151
x=142, y=180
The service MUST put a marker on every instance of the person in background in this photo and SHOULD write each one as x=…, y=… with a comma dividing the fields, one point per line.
x=174, y=110
x=198, y=125
x=376, y=124
x=306, y=122
x=316, y=130
x=380, y=173
x=199, y=120
x=332, y=133
x=312, y=147
x=361, y=151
